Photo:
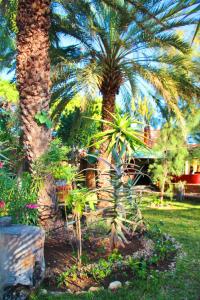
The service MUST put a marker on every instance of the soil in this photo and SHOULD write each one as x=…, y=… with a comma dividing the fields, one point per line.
x=60, y=254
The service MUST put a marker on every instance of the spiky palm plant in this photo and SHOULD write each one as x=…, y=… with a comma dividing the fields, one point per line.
x=120, y=136
x=129, y=43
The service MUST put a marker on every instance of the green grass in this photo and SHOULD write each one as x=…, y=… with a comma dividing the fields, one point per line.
x=183, y=222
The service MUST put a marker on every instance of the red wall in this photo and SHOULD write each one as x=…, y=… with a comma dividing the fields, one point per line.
x=190, y=179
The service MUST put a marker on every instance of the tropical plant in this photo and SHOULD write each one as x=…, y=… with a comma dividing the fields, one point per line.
x=51, y=163
x=75, y=130
x=123, y=133
x=77, y=200
x=124, y=42
x=123, y=210
x=120, y=203
x=17, y=198
x=120, y=134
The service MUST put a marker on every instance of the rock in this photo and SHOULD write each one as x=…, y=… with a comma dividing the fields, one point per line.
x=115, y=285
x=43, y=292
x=95, y=288
x=69, y=291
x=127, y=283
x=21, y=256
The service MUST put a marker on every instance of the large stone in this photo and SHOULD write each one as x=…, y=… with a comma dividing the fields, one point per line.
x=21, y=256
x=115, y=285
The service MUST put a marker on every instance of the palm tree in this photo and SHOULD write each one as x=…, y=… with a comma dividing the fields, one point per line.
x=33, y=81
x=130, y=43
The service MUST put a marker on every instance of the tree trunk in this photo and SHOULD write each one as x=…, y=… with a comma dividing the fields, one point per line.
x=33, y=80
x=90, y=176
x=162, y=191
x=108, y=106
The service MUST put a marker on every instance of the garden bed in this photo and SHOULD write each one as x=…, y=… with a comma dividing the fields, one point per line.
x=100, y=265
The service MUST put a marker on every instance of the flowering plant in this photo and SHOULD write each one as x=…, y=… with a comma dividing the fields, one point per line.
x=31, y=206
x=30, y=215
x=2, y=204
x=3, y=210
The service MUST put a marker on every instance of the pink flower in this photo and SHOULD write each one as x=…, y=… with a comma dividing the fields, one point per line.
x=82, y=153
x=1, y=164
x=2, y=204
x=31, y=206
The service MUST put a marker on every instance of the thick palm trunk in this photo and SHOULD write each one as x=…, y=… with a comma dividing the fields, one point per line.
x=33, y=79
x=108, y=106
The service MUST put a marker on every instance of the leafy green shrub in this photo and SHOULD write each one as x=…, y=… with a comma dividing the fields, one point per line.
x=101, y=270
x=77, y=200
x=71, y=274
x=54, y=163
x=165, y=246
x=20, y=201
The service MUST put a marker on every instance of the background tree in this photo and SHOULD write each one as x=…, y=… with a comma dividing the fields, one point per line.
x=74, y=127
x=172, y=152
x=76, y=131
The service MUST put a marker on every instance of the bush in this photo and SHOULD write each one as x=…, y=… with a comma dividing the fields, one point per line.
x=18, y=197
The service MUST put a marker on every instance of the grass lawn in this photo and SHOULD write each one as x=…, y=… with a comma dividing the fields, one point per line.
x=183, y=222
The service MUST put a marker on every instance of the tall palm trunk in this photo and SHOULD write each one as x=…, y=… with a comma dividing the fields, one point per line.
x=108, y=106
x=33, y=79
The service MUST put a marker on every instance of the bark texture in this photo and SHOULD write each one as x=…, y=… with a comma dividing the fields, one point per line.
x=33, y=72
x=33, y=80
x=108, y=106
x=90, y=176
